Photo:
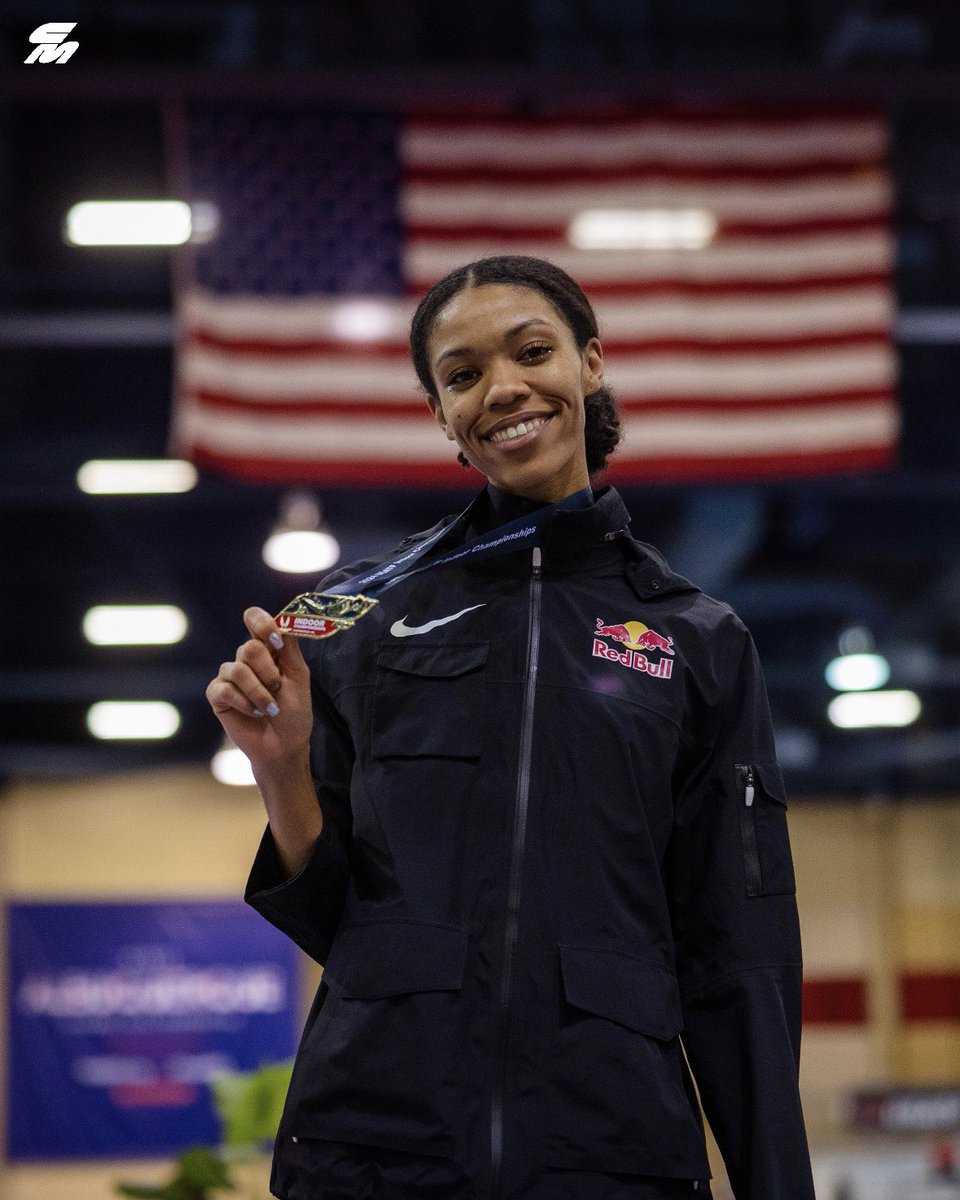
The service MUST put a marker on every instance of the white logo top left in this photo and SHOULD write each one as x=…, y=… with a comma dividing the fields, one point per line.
x=51, y=48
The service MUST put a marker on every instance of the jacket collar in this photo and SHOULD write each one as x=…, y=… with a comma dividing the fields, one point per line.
x=576, y=535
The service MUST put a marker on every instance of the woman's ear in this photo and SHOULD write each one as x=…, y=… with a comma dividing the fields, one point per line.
x=592, y=366
x=437, y=409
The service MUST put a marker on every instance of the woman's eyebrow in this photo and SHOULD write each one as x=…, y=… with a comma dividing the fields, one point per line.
x=512, y=332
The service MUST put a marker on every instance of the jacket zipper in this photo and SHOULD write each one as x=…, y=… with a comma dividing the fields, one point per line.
x=512, y=928
x=748, y=829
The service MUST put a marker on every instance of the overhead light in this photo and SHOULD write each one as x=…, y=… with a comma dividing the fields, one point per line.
x=857, y=672
x=139, y=223
x=231, y=766
x=133, y=720
x=135, y=625
x=300, y=544
x=868, y=710
x=642, y=229
x=363, y=320
x=116, y=476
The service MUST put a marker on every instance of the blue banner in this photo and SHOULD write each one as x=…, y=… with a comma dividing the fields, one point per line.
x=120, y=1014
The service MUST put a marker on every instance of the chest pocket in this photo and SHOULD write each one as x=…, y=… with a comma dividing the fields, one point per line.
x=428, y=700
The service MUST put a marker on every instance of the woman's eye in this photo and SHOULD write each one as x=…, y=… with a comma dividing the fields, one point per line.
x=458, y=378
x=538, y=350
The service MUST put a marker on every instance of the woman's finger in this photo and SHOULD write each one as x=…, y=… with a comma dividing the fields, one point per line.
x=250, y=686
x=224, y=696
x=263, y=627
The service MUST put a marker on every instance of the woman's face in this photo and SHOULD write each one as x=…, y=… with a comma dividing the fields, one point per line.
x=511, y=382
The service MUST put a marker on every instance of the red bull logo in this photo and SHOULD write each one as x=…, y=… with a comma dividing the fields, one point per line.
x=636, y=638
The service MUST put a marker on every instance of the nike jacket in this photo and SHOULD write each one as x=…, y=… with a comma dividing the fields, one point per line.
x=554, y=876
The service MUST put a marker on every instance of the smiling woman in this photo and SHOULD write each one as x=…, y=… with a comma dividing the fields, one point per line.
x=526, y=812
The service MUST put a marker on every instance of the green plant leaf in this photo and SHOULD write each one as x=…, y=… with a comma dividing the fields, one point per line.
x=250, y=1104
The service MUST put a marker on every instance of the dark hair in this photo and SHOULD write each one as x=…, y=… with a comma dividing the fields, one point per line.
x=602, y=429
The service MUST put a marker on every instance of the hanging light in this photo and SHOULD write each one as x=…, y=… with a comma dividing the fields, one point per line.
x=231, y=766
x=300, y=543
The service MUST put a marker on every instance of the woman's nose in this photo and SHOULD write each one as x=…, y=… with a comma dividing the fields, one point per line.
x=506, y=385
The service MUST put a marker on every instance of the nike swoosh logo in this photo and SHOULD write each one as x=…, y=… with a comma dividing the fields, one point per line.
x=400, y=629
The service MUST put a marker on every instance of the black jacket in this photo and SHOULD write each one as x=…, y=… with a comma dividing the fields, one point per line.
x=554, y=840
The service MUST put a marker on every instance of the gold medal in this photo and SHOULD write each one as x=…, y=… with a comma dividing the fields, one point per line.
x=318, y=615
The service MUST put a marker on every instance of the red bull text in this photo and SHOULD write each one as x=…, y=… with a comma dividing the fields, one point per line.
x=635, y=637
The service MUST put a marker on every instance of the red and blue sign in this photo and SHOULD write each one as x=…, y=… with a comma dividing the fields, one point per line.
x=120, y=1015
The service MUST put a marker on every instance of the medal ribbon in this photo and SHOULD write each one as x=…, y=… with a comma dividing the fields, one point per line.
x=321, y=614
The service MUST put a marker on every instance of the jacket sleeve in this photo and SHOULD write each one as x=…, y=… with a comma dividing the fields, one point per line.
x=307, y=906
x=736, y=931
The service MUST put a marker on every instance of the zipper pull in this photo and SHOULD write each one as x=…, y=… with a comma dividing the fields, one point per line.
x=748, y=791
x=537, y=560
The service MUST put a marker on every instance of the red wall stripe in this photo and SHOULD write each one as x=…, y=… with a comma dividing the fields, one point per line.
x=840, y=1001
x=930, y=996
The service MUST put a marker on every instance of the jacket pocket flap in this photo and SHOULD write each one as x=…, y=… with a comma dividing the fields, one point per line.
x=433, y=660
x=771, y=781
x=638, y=994
x=389, y=958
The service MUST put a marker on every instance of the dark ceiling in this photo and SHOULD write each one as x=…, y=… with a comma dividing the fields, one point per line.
x=86, y=355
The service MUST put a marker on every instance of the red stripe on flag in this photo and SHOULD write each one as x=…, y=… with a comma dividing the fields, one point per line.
x=750, y=174
x=748, y=466
x=743, y=286
x=728, y=232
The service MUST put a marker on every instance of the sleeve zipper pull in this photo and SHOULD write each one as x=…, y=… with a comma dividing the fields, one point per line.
x=748, y=792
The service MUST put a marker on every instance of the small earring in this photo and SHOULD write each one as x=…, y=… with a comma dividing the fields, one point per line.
x=463, y=460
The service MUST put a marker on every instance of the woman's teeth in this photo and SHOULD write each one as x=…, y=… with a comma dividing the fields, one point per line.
x=518, y=430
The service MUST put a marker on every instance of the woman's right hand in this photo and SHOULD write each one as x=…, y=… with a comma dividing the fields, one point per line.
x=262, y=697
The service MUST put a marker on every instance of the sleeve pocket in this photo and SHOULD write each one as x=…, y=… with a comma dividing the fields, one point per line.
x=762, y=803
x=427, y=699
x=634, y=993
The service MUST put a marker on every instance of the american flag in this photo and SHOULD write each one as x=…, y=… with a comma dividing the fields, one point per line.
x=765, y=352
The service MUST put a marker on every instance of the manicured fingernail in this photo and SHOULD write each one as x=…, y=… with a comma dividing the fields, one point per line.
x=276, y=641
x=257, y=712
x=272, y=710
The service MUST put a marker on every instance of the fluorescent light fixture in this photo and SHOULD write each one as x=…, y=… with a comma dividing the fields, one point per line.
x=133, y=720
x=301, y=551
x=642, y=229
x=135, y=625
x=857, y=672
x=139, y=223
x=124, y=476
x=231, y=766
x=870, y=710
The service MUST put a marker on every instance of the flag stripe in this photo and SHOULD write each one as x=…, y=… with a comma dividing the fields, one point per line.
x=617, y=143
x=815, y=430
x=416, y=409
x=857, y=195
x=706, y=374
x=801, y=312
